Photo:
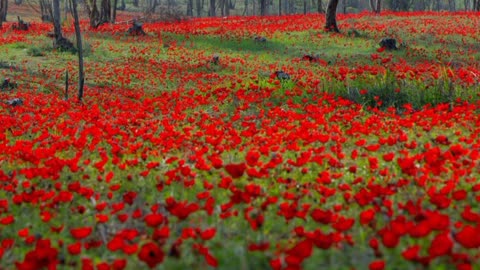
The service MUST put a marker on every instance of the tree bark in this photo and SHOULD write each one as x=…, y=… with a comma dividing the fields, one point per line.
x=57, y=28
x=199, y=8
x=331, y=17
x=3, y=11
x=227, y=7
x=78, y=34
x=45, y=10
x=212, y=8
x=114, y=11
x=320, y=7
x=105, y=11
x=376, y=6
x=263, y=7
x=190, y=8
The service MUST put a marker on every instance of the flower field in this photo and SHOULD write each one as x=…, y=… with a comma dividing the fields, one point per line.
x=190, y=151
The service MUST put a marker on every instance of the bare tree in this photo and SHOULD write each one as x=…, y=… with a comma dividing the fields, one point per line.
x=400, y=5
x=78, y=34
x=3, y=11
x=320, y=7
x=263, y=7
x=190, y=8
x=199, y=7
x=57, y=28
x=98, y=14
x=476, y=5
x=46, y=10
x=114, y=11
x=376, y=6
x=225, y=7
x=331, y=17
x=211, y=13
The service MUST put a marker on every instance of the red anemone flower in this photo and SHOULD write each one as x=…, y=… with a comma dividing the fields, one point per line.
x=151, y=254
x=81, y=232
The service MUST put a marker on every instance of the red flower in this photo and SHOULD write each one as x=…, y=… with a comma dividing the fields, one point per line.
x=235, y=170
x=208, y=234
x=367, y=216
x=276, y=264
x=43, y=256
x=7, y=220
x=302, y=250
x=324, y=217
x=119, y=264
x=75, y=248
x=161, y=233
x=441, y=245
x=411, y=253
x=151, y=254
x=377, y=265
x=390, y=239
x=154, y=220
x=252, y=157
x=388, y=156
x=82, y=232
x=116, y=243
x=343, y=224
x=212, y=261
x=468, y=237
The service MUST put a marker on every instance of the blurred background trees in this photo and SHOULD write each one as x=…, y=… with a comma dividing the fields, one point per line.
x=104, y=11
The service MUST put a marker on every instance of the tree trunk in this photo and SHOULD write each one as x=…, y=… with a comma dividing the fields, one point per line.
x=45, y=10
x=211, y=13
x=331, y=17
x=279, y=7
x=4, y=16
x=304, y=7
x=190, y=8
x=451, y=5
x=3, y=11
x=263, y=7
x=379, y=6
x=375, y=6
x=93, y=14
x=78, y=35
x=320, y=6
x=199, y=8
x=57, y=28
x=114, y=11
x=135, y=3
x=227, y=7
x=105, y=11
